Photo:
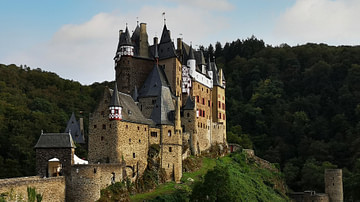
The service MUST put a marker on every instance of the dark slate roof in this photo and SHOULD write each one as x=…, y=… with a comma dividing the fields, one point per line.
x=135, y=94
x=153, y=83
x=130, y=111
x=163, y=111
x=189, y=104
x=125, y=38
x=135, y=39
x=115, y=102
x=191, y=53
x=213, y=68
x=165, y=36
x=55, y=140
x=73, y=127
x=199, y=57
x=165, y=50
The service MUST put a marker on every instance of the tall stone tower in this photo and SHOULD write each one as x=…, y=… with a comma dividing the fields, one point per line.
x=334, y=185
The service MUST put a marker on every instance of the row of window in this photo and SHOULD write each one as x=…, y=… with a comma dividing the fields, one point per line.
x=221, y=116
x=126, y=126
x=221, y=105
x=223, y=98
x=202, y=101
x=201, y=125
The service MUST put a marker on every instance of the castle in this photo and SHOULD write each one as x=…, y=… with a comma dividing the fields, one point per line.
x=165, y=96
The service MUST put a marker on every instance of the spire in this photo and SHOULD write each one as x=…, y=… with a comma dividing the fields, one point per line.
x=135, y=94
x=115, y=101
x=191, y=53
x=165, y=36
x=126, y=40
x=156, y=54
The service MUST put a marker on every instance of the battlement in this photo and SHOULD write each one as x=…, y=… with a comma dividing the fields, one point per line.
x=52, y=189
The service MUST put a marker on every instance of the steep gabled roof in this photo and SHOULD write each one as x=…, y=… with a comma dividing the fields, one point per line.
x=165, y=36
x=191, y=54
x=199, y=57
x=130, y=111
x=214, y=69
x=135, y=39
x=163, y=111
x=189, y=104
x=125, y=39
x=115, y=101
x=135, y=94
x=153, y=83
x=73, y=127
x=55, y=140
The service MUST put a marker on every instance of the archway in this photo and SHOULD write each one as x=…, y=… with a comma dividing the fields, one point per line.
x=54, y=167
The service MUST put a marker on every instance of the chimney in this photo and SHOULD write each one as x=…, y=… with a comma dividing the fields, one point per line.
x=156, y=41
x=144, y=44
x=81, y=120
x=179, y=44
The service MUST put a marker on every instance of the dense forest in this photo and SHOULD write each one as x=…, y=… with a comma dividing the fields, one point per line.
x=32, y=101
x=296, y=106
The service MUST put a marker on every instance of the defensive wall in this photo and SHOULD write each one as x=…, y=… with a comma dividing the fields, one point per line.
x=86, y=181
x=52, y=189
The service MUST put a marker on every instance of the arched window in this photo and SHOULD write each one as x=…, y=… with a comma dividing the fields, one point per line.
x=169, y=133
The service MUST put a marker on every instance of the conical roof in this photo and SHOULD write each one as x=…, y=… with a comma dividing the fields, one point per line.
x=115, y=102
x=135, y=94
x=189, y=104
x=73, y=127
x=153, y=83
x=163, y=111
x=125, y=39
x=191, y=54
x=165, y=36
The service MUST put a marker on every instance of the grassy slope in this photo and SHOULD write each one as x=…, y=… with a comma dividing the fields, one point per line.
x=250, y=182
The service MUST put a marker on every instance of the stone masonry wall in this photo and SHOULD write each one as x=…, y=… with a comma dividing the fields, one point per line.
x=219, y=107
x=52, y=189
x=189, y=124
x=116, y=141
x=203, y=101
x=86, y=181
x=171, y=152
x=173, y=73
x=43, y=155
x=131, y=72
x=217, y=133
x=146, y=105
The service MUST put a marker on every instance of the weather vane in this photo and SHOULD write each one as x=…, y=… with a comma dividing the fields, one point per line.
x=163, y=14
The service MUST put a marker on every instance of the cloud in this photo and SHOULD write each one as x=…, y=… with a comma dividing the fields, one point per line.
x=84, y=52
x=222, y=5
x=321, y=21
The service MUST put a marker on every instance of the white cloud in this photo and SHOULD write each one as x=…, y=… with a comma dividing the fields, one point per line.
x=85, y=52
x=321, y=21
x=222, y=5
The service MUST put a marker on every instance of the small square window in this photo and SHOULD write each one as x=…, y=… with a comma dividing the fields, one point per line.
x=104, y=126
x=133, y=155
x=170, y=149
x=95, y=126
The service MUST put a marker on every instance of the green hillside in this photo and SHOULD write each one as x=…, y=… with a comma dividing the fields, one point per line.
x=235, y=177
x=35, y=100
x=297, y=106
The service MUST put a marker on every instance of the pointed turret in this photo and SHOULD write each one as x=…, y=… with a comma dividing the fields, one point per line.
x=165, y=36
x=126, y=40
x=156, y=51
x=114, y=106
x=125, y=46
x=135, y=94
x=191, y=62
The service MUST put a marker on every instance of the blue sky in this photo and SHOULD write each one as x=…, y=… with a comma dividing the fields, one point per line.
x=77, y=38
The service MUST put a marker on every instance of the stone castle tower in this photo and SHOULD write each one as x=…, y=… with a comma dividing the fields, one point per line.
x=165, y=96
x=334, y=185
